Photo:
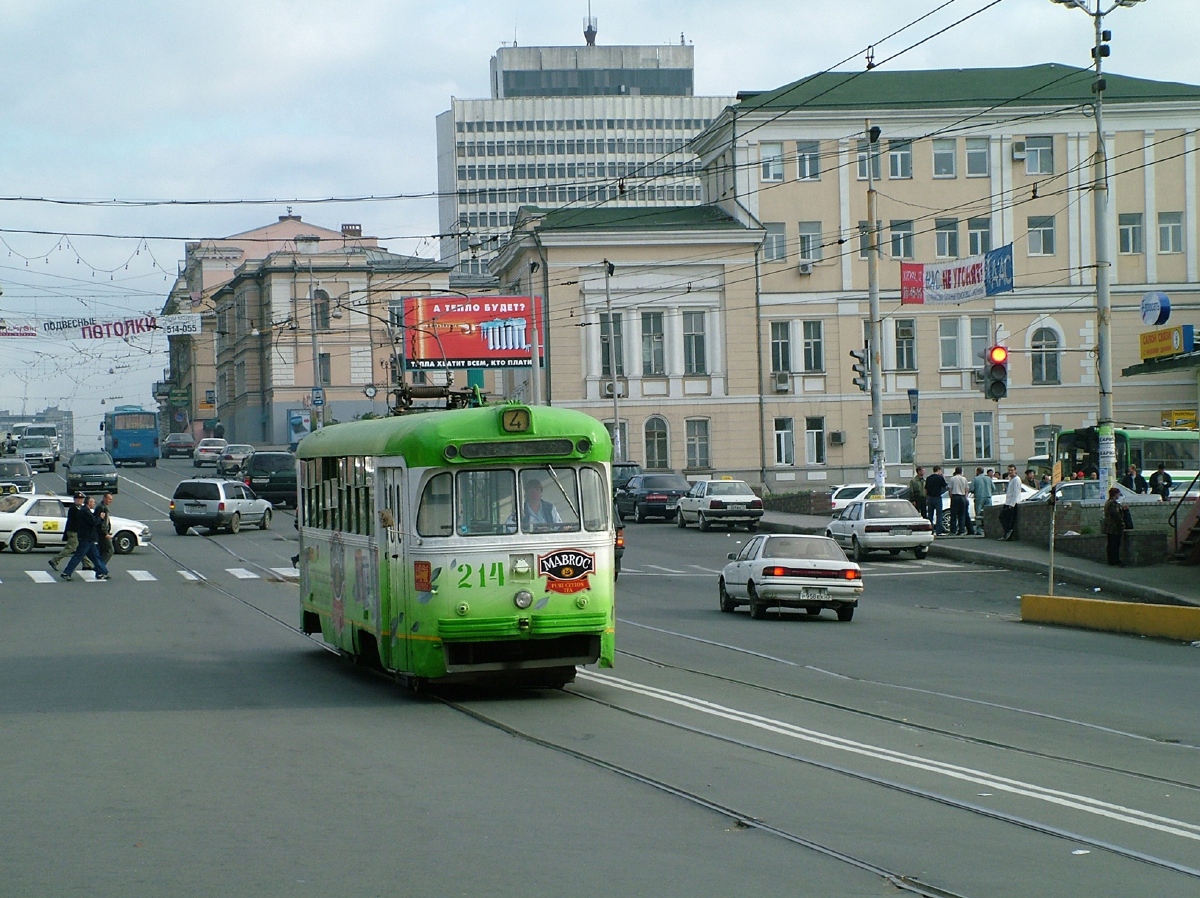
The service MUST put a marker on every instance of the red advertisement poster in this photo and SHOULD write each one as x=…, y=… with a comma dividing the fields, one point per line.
x=470, y=331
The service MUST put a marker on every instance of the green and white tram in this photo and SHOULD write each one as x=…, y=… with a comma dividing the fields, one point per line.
x=473, y=545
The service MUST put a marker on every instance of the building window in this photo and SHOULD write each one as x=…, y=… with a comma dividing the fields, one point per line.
x=1041, y=235
x=977, y=157
x=952, y=436
x=814, y=346
x=1039, y=155
x=653, y=361
x=906, y=344
x=239, y=378
x=981, y=339
x=946, y=232
x=1129, y=232
x=948, y=342
x=1044, y=352
x=771, y=155
x=979, y=236
x=657, y=456
x=808, y=160
x=864, y=238
x=775, y=243
x=897, y=439
x=899, y=159
x=945, y=151
x=320, y=308
x=323, y=365
x=983, y=436
x=814, y=440
x=1170, y=232
x=697, y=445
x=866, y=149
x=781, y=346
x=903, y=239
x=810, y=241
x=612, y=345
x=785, y=442
x=694, y=360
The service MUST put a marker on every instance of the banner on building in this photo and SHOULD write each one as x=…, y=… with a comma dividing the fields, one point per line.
x=963, y=280
x=99, y=328
x=470, y=332
x=180, y=325
x=11, y=327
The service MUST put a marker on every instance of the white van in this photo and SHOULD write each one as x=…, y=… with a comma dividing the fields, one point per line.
x=46, y=430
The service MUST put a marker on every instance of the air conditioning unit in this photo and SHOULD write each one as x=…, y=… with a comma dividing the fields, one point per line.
x=610, y=386
x=781, y=381
x=1018, y=150
x=837, y=437
x=805, y=268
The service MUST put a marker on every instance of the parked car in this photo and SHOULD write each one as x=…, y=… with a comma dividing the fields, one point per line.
x=1091, y=492
x=651, y=496
x=881, y=524
x=182, y=444
x=39, y=522
x=208, y=451
x=786, y=571
x=91, y=472
x=233, y=458
x=37, y=452
x=272, y=476
x=15, y=476
x=217, y=504
x=728, y=502
x=844, y=494
x=622, y=471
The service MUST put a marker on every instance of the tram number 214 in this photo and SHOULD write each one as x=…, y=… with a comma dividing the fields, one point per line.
x=488, y=571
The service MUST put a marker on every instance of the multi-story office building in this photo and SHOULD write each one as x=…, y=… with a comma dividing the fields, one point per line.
x=580, y=126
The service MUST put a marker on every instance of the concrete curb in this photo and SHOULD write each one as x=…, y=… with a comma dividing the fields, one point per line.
x=1114, y=617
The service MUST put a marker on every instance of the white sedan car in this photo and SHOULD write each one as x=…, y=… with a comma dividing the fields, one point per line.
x=843, y=495
x=720, y=502
x=881, y=524
x=39, y=522
x=785, y=571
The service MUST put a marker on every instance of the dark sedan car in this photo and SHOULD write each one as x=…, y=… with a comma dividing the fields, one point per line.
x=651, y=496
x=272, y=475
x=15, y=476
x=91, y=472
x=178, y=444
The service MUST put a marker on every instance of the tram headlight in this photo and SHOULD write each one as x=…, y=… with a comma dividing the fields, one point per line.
x=584, y=446
x=523, y=598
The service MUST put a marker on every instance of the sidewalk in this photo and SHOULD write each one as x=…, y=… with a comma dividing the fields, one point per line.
x=1166, y=584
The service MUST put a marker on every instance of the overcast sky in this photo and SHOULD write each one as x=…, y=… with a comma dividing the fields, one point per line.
x=281, y=101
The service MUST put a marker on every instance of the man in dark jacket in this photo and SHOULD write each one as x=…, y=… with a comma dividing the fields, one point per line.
x=72, y=538
x=1113, y=526
x=1134, y=480
x=87, y=525
x=1160, y=482
x=935, y=488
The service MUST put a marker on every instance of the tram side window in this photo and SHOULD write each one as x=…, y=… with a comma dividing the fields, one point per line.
x=487, y=502
x=435, y=515
x=596, y=500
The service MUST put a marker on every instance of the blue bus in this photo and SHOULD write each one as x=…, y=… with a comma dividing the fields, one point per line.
x=131, y=435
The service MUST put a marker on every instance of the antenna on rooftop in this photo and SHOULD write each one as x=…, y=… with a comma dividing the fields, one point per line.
x=589, y=27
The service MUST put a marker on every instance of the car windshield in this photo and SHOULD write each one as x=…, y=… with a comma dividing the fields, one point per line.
x=728, y=488
x=14, y=469
x=666, y=482
x=811, y=547
x=849, y=492
x=889, y=508
x=212, y=444
x=35, y=442
x=179, y=438
x=92, y=458
x=271, y=464
x=11, y=503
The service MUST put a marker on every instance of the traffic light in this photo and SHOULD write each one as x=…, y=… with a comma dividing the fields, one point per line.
x=995, y=373
x=862, y=378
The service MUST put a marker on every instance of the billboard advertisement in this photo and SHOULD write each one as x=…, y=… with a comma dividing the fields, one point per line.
x=957, y=281
x=470, y=331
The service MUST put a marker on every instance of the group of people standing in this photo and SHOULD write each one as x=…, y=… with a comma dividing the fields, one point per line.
x=928, y=492
x=89, y=537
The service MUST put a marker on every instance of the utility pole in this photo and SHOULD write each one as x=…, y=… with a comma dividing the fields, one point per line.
x=618, y=449
x=535, y=349
x=318, y=410
x=875, y=350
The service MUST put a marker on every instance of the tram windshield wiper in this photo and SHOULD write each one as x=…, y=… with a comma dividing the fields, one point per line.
x=562, y=489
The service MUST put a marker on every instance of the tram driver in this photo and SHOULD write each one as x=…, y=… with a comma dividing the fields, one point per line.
x=537, y=515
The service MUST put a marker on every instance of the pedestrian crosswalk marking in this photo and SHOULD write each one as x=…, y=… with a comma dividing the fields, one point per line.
x=242, y=574
x=142, y=575
x=191, y=575
x=40, y=576
x=286, y=573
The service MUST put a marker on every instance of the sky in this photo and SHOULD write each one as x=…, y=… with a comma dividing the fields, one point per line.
x=226, y=113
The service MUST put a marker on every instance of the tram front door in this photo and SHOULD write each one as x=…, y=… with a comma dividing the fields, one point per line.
x=394, y=589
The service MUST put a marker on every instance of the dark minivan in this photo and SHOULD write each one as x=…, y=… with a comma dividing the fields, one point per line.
x=272, y=476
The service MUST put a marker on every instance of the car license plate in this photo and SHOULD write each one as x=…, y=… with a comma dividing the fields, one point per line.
x=901, y=531
x=813, y=595
x=738, y=507
x=194, y=507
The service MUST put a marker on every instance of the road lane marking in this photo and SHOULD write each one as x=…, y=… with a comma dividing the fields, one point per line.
x=40, y=576
x=286, y=573
x=1071, y=800
x=242, y=574
x=142, y=575
x=191, y=575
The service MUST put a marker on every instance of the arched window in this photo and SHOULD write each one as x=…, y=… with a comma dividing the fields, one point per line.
x=1044, y=352
x=320, y=310
x=657, y=456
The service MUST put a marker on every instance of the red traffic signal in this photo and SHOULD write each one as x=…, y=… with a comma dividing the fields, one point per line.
x=995, y=372
x=997, y=355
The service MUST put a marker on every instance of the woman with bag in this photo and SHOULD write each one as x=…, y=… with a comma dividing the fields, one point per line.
x=1114, y=525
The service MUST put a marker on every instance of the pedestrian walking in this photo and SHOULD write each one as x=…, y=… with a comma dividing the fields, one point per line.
x=935, y=488
x=981, y=489
x=1012, y=495
x=87, y=525
x=72, y=531
x=960, y=518
x=104, y=516
x=1135, y=481
x=1160, y=482
x=916, y=491
x=1113, y=526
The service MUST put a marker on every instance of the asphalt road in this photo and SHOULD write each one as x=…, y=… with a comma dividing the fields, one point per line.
x=170, y=733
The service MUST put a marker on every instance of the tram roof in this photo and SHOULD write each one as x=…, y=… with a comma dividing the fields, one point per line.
x=422, y=437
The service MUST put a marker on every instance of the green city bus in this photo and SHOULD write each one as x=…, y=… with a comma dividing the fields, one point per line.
x=1146, y=447
x=471, y=545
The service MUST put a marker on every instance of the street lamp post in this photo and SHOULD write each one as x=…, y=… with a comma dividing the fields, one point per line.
x=875, y=350
x=1108, y=451
x=618, y=449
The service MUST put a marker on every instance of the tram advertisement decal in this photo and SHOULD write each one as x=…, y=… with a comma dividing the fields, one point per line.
x=470, y=331
x=566, y=570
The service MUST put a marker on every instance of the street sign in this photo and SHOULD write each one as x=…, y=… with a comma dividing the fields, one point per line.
x=1167, y=341
x=318, y=396
x=1156, y=308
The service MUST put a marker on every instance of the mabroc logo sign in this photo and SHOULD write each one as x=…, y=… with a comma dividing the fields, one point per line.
x=566, y=570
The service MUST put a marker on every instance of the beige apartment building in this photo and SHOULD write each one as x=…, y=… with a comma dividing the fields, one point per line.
x=731, y=326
